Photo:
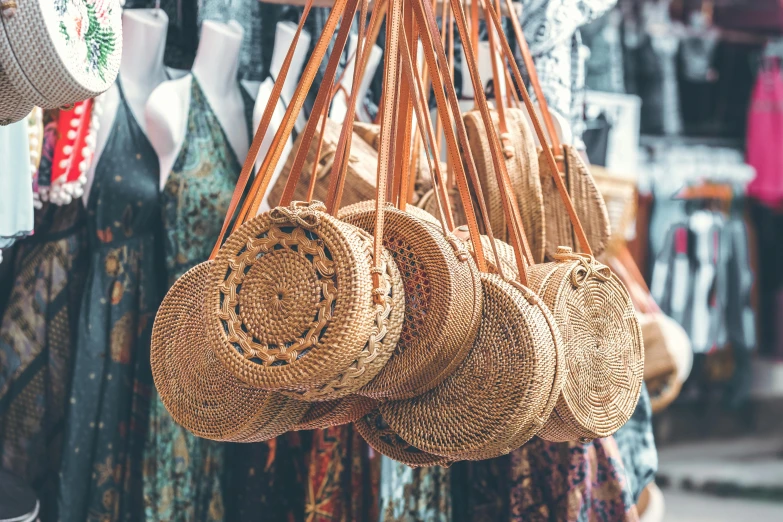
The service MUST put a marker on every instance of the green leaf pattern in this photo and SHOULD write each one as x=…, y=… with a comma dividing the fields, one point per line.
x=87, y=25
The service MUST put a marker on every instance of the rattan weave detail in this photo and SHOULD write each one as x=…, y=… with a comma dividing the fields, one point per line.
x=442, y=301
x=322, y=415
x=522, y=166
x=289, y=304
x=501, y=394
x=380, y=437
x=603, y=346
x=588, y=203
x=13, y=107
x=195, y=387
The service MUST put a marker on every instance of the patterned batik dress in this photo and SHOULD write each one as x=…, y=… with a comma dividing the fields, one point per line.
x=183, y=473
x=109, y=401
x=37, y=335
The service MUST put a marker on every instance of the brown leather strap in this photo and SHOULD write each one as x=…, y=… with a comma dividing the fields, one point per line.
x=263, y=126
x=516, y=233
x=321, y=99
x=261, y=183
x=548, y=156
x=499, y=84
x=404, y=130
x=438, y=70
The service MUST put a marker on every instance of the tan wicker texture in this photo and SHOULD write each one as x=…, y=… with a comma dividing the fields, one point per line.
x=522, y=166
x=322, y=415
x=501, y=394
x=603, y=343
x=13, y=107
x=442, y=301
x=429, y=203
x=57, y=56
x=587, y=200
x=376, y=432
x=381, y=343
x=195, y=387
x=289, y=304
x=362, y=168
x=662, y=337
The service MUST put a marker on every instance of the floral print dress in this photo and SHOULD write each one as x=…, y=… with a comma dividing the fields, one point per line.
x=109, y=401
x=182, y=472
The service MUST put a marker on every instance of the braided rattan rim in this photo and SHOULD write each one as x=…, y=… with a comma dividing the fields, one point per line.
x=322, y=415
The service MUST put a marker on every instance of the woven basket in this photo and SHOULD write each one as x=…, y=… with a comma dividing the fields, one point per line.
x=429, y=203
x=376, y=432
x=362, y=168
x=322, y=415
x=195, y=387
x=58, y=53
x=603, y=344
x=502, y=393
x=379, y=346
x=13, y=107
x=587, y=200
x=663, y=337
x=289, y=304
x=442, y=301
x=522, y=166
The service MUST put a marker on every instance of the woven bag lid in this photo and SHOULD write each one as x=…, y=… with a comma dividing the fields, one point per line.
x=193, y=385
x=13, y=107
x=501, y=394
x=380, y=344
x=603, y=346
x=442, y=301
x=380, y=437
x=59, y=52
x=322, y=415
x=289, y=304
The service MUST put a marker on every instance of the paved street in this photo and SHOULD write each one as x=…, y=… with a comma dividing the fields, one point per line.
x=693, y=507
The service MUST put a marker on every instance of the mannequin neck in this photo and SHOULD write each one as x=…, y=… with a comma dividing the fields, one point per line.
x=217, y=58
x=144, y=40
x=284, y=37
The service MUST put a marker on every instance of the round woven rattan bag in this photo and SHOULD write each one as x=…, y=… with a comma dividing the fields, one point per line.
x=501, y=394
x=56, y=53
x=380, y=437
x=322, y=415
x=382, y=340
x=604, y=350
x=522, y=167
x=196, y=388
x=290, y=305
x=13, y=107
x=442, y=301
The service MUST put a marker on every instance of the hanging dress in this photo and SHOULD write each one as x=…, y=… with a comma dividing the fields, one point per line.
x=414, y=495
x=182, y=472
x=109, y=401
x=37, y=335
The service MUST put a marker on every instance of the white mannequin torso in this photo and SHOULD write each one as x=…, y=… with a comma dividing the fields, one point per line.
x=283, y=40
x=340, y=103
x=215, y=69
x=141, y=71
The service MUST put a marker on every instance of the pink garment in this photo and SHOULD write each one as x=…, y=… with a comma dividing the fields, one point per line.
x=765, y=136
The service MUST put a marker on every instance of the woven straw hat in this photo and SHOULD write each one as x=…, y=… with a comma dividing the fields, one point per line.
x=322, y=415
x=13, y=107
x=58, y=53
x=442, y=301
x=603, y=346
x=588, y=203
x=195, y=387
x=380, y=344
x=501, y=394
x=380, y=437
x=289, y=304
x=522, y=167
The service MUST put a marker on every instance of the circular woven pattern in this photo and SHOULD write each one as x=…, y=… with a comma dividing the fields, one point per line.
x=322, y=415
x=603, y=344
x=195, y=387
x=13, y=107
x=442, y=302
x=62, y=52
x=380, y=437
x=381, y=342
x=339, y=276
x=501, y=394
